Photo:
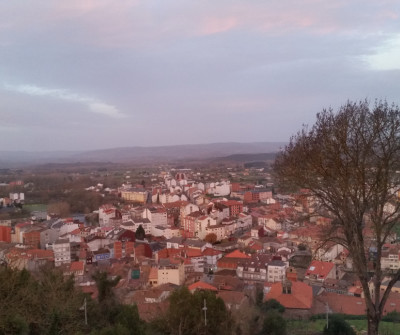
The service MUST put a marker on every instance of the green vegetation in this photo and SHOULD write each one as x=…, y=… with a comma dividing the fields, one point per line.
x=49, y=303
x=140, y=233
x=338, y=325
x=308, y=327
x=186, y=315
x=274, y=324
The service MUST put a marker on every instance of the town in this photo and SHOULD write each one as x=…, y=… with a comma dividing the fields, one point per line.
x=226, y=229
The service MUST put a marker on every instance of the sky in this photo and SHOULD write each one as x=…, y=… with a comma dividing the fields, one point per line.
x=93, y=74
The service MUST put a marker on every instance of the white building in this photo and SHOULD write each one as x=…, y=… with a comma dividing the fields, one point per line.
x=276, y=271
x=62, y=252
x=156, y=215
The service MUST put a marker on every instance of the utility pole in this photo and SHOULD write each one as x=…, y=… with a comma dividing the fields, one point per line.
x=205, y=313
x=83, y=308
x=85, y=313
x=327, y=317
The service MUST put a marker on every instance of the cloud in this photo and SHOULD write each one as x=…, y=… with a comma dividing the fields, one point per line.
x=386, y=57
x=94, y=105
x=218, y=25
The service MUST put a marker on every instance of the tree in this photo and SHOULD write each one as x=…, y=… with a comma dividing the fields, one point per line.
x=272, y=305
x=211, y=238
x=274, y=324
x=338, y=326
x=105, y=285
x=349, y=161
x=26, y=312
x=185, y=314
x=59, y=208
x=140, y=234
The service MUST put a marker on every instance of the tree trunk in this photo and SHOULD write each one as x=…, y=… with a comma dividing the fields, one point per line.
x=373, y=325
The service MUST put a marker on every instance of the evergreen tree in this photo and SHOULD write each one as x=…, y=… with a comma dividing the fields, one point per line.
x=140, y=234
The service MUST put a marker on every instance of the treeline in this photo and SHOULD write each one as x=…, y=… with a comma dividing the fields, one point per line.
x=48, y=302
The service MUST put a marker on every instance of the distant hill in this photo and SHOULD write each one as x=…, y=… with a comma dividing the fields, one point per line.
x=142, y=155
x=242, y=158
x=179, y=152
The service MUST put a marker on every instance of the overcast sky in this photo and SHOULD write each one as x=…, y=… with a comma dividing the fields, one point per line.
x=80, y=74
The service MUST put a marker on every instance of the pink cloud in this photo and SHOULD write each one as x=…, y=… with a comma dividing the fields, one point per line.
x=218, y=25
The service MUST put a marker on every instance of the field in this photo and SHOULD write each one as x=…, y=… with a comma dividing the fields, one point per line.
x=36, y=207
x=316, y=327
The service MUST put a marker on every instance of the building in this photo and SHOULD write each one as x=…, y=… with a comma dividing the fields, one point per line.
x=235, y=207
x=156, y=215
x=172, y=272
x=319, y=271
x=134, y=195
x=296, y=297
x=62, y=252
x=276, y=271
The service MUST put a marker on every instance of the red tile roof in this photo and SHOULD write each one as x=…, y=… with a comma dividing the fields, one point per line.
x=300, y=297
x=192, y=252
x=348, y=304
x=345, y=304
x=319, y=268
x=201, y=286
x=237, y=254
x=211, y=252
x=40, y=253
x=77, y=266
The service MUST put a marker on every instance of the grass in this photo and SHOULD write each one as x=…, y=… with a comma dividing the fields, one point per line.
x=304, y=327
x=35, y=207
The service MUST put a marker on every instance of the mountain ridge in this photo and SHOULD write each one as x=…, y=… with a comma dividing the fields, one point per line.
x=140, y=154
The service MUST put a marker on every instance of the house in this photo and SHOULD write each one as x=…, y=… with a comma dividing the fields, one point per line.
x=254, y=268
x=171, y=271
x=276, y=271
x=352, y=305
x=200, y=285
x=390, y=257
x=197, y=244
x=196, y=223
x=106, y=212
x=31, y=235
x=220, y=189
x=328, y=252
x=235, y=207
x=156, y=215
x=153, y=276
x=76, y=268
x=175, y=242
x=211, y=257
x=296, y=297
x=231, y=260
x=123, y=249
x=319, y=271
x=190, y=224
x=218, y=230
x=195, y=257
x=62, y=252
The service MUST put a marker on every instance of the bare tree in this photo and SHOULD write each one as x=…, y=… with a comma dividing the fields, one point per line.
x=349, y=161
